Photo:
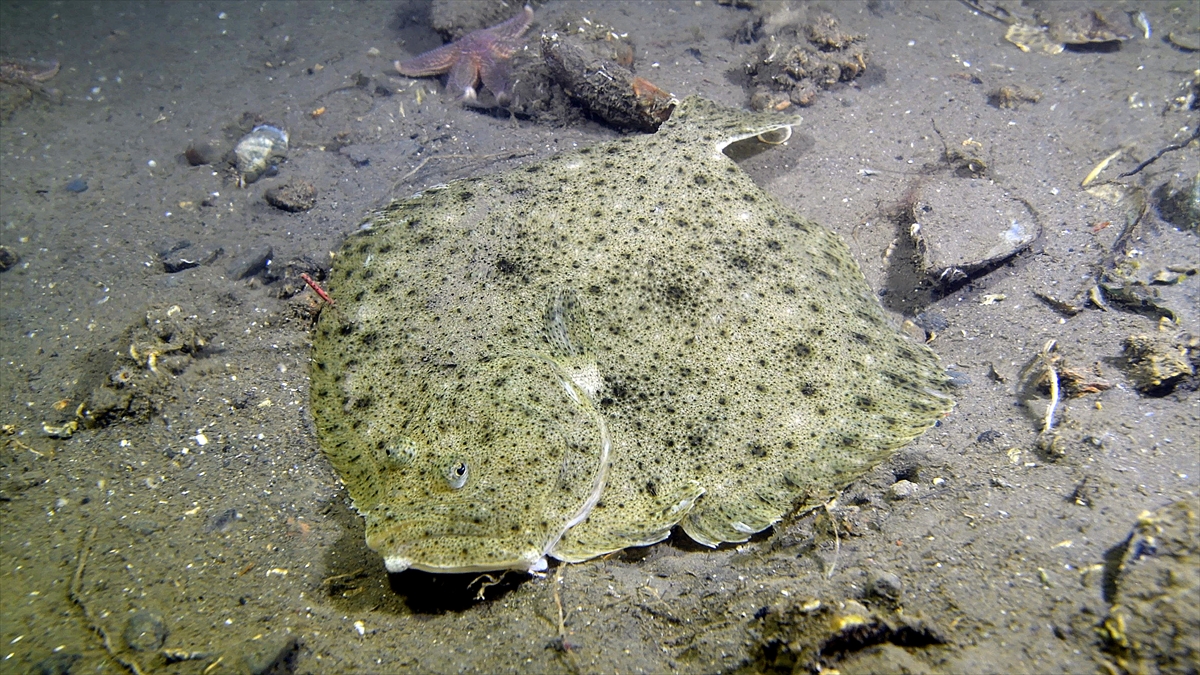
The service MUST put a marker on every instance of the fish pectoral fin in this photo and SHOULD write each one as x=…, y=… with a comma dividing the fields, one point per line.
x=585, y=541
x=716, y=522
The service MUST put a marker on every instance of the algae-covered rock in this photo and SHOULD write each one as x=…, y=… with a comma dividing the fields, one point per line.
x=1154, y=588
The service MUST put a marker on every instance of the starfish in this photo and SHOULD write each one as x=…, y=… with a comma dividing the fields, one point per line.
x=481, y=55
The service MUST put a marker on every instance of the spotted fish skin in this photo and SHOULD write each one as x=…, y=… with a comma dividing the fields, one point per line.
x=721, y=360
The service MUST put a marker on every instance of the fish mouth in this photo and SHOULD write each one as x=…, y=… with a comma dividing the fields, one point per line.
x=531, y=562
x=441, y=547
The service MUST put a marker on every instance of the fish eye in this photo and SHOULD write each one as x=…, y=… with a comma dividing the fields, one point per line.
x=456, y=475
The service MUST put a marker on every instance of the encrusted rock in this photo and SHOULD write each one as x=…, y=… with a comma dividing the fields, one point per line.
x=1154, y=588
x=1156, y=366
x=294, y=196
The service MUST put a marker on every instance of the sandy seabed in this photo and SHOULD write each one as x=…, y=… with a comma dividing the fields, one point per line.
x=210, y=506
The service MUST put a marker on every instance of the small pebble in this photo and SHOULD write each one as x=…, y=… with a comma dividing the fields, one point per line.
x=295, y=196
x=958, y=378
x=77, y=185
x=249, y=263
x=884, y=585
x=223, y=521
x=989, y=436
x=145, y=631
x=903, y=489
x=934, y=323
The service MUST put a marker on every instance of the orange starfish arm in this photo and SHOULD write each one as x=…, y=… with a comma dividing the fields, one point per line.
x=433, y=62
x=505, y=38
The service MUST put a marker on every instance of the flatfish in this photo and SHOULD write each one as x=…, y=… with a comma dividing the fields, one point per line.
x=574, y=357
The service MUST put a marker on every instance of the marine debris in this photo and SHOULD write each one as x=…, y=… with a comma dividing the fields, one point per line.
x=1051, y=31
x=605, y=88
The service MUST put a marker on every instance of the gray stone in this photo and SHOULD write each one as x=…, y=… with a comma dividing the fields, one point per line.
x=145, y=631
x=293, y=197
x=884, y=585
x=903, y=489
x=249, y=263
x=274, y=654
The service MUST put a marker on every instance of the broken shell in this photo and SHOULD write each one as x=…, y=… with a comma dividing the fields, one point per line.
x=947, y=253
x=1186, y=41
x=256, y=151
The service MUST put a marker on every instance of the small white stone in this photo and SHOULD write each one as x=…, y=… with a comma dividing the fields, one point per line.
x=360, y=627
x=903, y=489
